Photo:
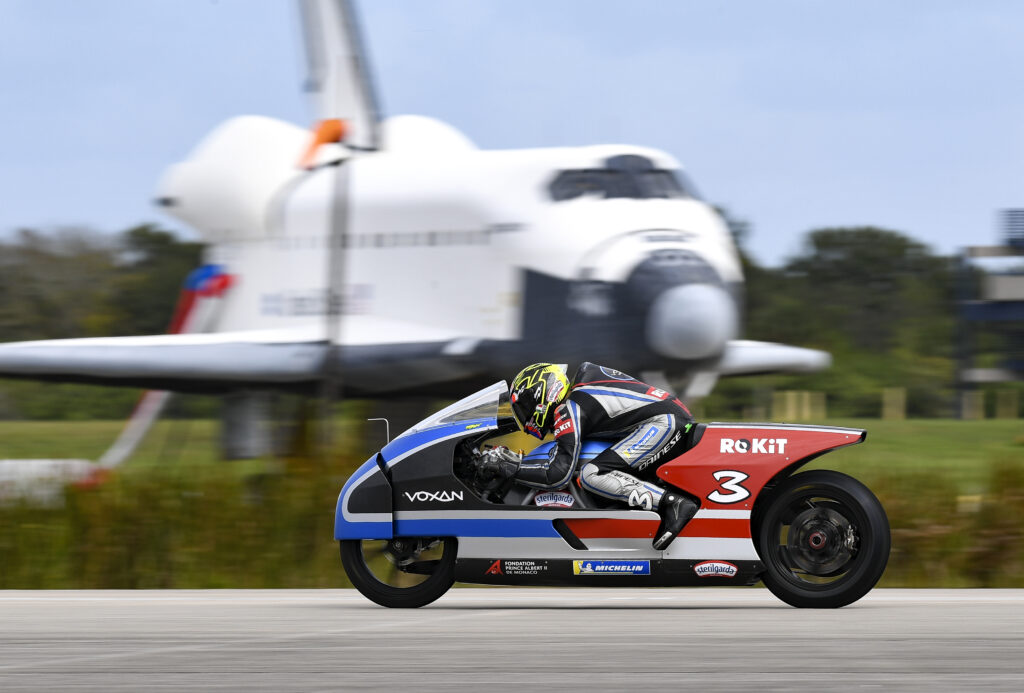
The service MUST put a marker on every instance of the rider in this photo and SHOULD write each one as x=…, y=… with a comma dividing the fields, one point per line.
x=650, y=425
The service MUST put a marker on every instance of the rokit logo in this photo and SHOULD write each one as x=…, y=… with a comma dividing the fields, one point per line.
x=563, y=427
x=715, y=569
x=763, y=446
x=434, y=496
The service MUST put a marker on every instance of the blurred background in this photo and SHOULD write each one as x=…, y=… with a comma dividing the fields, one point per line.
x=867, y=163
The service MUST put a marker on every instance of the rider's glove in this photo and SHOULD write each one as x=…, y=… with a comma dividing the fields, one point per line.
x=498, y=463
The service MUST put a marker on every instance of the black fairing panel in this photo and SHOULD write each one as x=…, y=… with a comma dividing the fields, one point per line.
x=426, y=479
x=364, y=509
x=372, y=496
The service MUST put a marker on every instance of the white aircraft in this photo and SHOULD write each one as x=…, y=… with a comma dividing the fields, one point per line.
x=401, y=258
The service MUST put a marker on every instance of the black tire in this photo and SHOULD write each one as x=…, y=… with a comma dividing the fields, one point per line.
x=824, y=540
x=404, y=573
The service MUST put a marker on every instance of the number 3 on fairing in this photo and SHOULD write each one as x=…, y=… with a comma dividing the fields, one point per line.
x=731, y=484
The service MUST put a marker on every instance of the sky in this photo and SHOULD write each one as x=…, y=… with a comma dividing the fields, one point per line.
x=793, y=115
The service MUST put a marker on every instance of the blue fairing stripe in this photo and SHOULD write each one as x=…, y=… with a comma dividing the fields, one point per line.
x=591, y=449
x=475, y=528
x=405, y=444
x=363, y=530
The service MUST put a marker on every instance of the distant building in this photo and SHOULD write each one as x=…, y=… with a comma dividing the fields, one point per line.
x=999, y=310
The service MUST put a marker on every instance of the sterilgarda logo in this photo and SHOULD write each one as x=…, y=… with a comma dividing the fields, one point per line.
x=764, y=446
x=715, y=569
x=611, y=567
x=557, y=499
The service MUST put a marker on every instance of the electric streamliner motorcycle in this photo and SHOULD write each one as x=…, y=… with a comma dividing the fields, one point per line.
x=414, y=519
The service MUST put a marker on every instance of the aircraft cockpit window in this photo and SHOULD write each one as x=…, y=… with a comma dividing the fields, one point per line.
x=608, y=184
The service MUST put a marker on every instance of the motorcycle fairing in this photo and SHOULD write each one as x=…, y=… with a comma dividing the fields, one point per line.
x=366, y=504
x=367, y=500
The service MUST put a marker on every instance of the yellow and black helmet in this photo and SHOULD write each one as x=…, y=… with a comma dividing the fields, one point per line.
x=535, y=393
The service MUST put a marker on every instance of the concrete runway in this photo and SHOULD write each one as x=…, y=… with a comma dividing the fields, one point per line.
x=510, y=639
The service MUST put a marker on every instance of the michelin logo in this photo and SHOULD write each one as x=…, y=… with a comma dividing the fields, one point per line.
x=611, y=567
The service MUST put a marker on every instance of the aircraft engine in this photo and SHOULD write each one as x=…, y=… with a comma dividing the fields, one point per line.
x=691, y=322
x=691, y=315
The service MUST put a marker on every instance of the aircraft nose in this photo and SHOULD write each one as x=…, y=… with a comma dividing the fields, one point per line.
x=691, y=321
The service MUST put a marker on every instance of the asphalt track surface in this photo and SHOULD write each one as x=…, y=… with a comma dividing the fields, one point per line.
x=510, y=639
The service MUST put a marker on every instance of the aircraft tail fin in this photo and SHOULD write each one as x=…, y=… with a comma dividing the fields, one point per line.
x=339, y=76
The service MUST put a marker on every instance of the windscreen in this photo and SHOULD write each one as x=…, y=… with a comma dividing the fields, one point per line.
x=610, y=184
x=484, y=404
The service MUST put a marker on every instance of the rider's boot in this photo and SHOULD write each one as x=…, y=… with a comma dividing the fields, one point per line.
x=676, y=510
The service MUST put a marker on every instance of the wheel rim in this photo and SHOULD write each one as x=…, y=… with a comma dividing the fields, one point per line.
x=816, y=541
x=402, y=562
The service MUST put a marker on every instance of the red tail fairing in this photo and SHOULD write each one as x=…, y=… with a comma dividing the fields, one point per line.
x=730, y=465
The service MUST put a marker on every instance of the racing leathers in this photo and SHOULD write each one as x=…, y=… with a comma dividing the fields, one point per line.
x=651, y=425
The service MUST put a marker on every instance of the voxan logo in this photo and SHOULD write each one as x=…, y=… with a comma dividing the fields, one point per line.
x=437, y=496
x=764, y=446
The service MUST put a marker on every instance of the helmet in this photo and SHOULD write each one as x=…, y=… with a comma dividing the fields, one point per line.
x=535, y=393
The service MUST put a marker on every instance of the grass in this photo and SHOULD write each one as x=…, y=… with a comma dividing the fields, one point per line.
x=171, y=444
x=958, y=452
x=194, y=442
x=176, y=516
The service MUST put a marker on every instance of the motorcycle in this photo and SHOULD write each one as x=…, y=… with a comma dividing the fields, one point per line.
x=415, y=518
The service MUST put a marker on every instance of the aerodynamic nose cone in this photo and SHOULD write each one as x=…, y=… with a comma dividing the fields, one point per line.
x=692, y=321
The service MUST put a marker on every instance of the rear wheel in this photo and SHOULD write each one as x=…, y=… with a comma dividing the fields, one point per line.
x=404, y=572
x=824, y=540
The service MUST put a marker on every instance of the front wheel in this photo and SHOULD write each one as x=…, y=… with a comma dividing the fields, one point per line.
x=404, y=572
x=824, y=540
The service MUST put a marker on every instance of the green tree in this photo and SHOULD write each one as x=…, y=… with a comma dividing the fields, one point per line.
x=52, y=284
x=879, y=301
x=142, y=292
x=76, y=283
x=879, y=289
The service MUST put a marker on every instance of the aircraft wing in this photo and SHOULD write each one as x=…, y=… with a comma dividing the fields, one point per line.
x=748, y=357
x=339, y=76
x=265, y=359
x=173, y=362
